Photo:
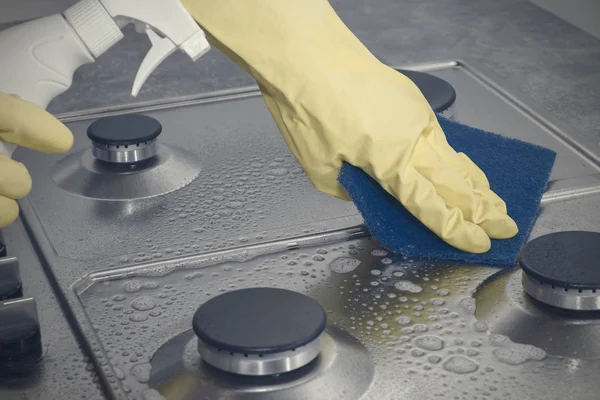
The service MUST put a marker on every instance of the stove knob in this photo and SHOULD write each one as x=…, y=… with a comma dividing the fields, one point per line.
x=11, y=286
x=20, y=336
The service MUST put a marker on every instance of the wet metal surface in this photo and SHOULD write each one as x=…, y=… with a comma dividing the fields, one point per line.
x=551, y=61
x=64, y=371
x=80, y=174
x=416, y=321
x=343, y=368
x=252, y=218
x=510, y=311
x=247, y=173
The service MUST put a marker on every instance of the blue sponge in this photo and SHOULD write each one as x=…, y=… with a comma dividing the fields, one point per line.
x=518, y=172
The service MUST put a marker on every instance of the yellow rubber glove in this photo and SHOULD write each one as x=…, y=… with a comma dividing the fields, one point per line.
x=27, y=125
x=333, y=101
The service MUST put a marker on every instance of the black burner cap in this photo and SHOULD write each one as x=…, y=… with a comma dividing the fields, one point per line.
x=439, y=93
x=565, y=259
x=20, y=342
x=124, y=130
x=259, y=321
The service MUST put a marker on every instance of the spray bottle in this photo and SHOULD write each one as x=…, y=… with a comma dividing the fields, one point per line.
x=38, y=58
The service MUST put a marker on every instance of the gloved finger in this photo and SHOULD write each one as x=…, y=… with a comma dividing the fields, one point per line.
x=27, y=125
x=420, y=198
x=15, y=181
x=327, y=182
x=9, y=211
x=480, y=183
x=457, y=193
x=474, y=176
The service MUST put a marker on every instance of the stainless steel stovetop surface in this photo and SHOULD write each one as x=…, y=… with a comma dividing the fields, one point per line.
x=397, y=328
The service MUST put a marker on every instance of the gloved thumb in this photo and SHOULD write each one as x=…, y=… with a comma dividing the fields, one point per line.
x=28, y=125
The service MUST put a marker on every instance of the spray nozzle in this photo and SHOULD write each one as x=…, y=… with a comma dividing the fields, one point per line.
x=99, y=23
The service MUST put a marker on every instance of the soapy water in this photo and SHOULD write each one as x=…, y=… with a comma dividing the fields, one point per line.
x=419, y=321
x=515, y=354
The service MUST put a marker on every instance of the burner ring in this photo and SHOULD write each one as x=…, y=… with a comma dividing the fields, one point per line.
x=259, y=331
x=124, y=154
x=260, y=364
x=124, y=139
x=561, y=270
x=561, y=297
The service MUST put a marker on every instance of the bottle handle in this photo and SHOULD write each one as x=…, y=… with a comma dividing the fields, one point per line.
x=39, y=58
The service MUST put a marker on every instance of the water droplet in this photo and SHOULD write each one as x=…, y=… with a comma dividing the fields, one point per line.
x=379, y=253
x=398, y=274
x=119, y=373
x=143, y=303
x=408, y=286
x=344, y=265
x=480, y=326
x=468, y=304
x=142, y=372
x=278, y=172
x=150, y=285
x=375, y=272
x=225, y=213
x=434, y=359
x=499, y=340
x=235, y=205
x=460, y=365
x=472, y=352
x=430, y=342
x=132, y=286
x=417, y=353
x=519, y=353
x=119, y=298
x=138, y=317
x=403, y=320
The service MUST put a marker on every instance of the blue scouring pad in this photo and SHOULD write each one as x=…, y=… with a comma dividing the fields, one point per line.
x=518, y=172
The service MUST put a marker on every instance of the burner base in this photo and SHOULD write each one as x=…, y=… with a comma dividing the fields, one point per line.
x=260, y=365
x=561, y=297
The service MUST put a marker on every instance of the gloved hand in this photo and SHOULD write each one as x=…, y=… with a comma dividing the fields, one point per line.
x=25, y=124
x=334, y=102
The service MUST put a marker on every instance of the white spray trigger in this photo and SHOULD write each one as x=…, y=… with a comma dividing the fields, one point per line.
x=160, y=50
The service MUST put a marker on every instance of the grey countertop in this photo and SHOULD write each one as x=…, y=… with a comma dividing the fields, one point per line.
x=553, y=62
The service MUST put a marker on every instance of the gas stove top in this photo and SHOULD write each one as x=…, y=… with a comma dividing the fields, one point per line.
x=146, y=238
